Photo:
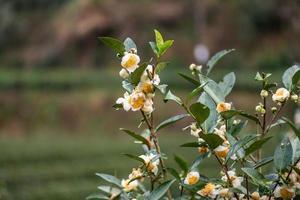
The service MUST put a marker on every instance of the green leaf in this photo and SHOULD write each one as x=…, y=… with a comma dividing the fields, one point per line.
x=231, y=113
x=296, y=78
x=258, y=77
x=134, y=157
x=129, y=44
x=114, y=44
x=169, y=121
x=283, y=155
x=197, y=161
x=117, y=106
x=191, y=144
x=190, y=79
x=158, y=38
x=136, y=136
x=200, y=112
x=215, y=59
x=256, y=177
x=154, y=48
x=109, y=189
x=195, y=92
x=213, y=140
x=256, y=145
x=174, y=173
x=235, y=129
x=110, y=179
x=164, y=47
x=160, y=66
x=181, y=163
x=97, y=196
x=212, y=89
x=263, y=162
x=211, y=121
x=293, y=127
x=287, y=78
x=239, y=144
x=161, y=190
x=227, y=84
x=171, y=96
x=135, y=76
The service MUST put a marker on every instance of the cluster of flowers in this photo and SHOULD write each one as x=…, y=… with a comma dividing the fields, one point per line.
x=142, y=95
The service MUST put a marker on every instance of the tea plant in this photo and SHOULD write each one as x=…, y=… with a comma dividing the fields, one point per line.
x=216, y=126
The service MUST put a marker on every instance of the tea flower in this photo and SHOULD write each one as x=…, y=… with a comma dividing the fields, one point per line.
x=209, y=190
x=136, y=173
x=225, y=193
x=146, y=87
x=255, y=196
x=152, y=166
x=134, y=101
x=148, y=106
x=124, y=73
x=195, y=130
x=191, y=178
x=223, y=106
x=281, y=95
x=235, y=180
x=203, y=149
x=264, y=93
x=294, y=98
x=284, y=192
x=130, y=61
x=221, y=151
x=129, y=185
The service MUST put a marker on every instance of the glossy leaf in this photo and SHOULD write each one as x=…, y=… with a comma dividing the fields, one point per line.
x=200, y=112
x=231, y=113
x=213, y=140
x=136, y=136
x=114, y=44
x=256, y=177
x=287, y=78
x=263, y=162
x=135, y=76
x=190, y=79
x=171, y=96
x=293, y=127
x=169, y=121
x=161, y=190
x=191, y=144
x=227, y=83
x=129, y=44
x=256, y=145
x=283, y=155
x=162, y=88
x=110, y=179
x=212, y=89
x=235, y=129
x=216, y=58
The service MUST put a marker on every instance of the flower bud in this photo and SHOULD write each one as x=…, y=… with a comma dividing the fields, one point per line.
x=264, y=93
x=198, y=68
x=294, y=97
x=273, y=109
x=123, y=73
x=192, y=66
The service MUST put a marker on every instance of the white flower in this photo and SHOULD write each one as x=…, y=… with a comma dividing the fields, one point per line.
x=255, y=196
x=124, y=74
x=284, y=192
x=192, y=66
x=281, y=95
x=147, y=73
x=194, y=130
x=209, y=190
x=225, y=193
x=146, y=86
x=223, y=106
x=136, y=173
x=151, y=165
x=148, y=106
x=129, y=185
x=221, y=151
x=130, y=61
x=264, y=93
x=191, y=178
x=124, y=101
x=235, y=180
x=294, y=97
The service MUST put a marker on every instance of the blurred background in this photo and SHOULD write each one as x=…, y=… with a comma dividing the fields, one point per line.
x=58, y=82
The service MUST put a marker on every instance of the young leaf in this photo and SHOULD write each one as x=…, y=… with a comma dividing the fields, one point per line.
x=129, y=44
x=239, y=144
x=200, y=112
x=161, y=190
x=97, y=196
x=263, y=162
x=136, y=75
x=182, y=163
x=170, y=121
x=291, y=124
x=283, y=155
x=256, y=145
x=160, y=66
x=227, y=84
x=215, y=59
x=190, y=79
x=288, y=76
x=110, y=179
x=158, y=38
x=136, y=136
x=171, y=96
x=164, y=47
x=213, y=140
x=134, y=157
x=114, y=44
x=256, y=177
